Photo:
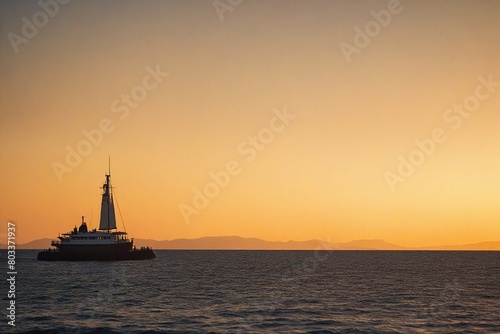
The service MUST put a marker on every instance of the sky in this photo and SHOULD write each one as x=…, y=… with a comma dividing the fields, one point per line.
x=280, y=120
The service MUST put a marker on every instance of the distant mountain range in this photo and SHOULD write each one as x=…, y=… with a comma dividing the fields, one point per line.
x=239, y=243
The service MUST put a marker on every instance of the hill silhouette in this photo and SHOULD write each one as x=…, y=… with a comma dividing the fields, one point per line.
x=240, y=243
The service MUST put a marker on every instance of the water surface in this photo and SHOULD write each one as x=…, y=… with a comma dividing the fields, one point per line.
x=262, y=291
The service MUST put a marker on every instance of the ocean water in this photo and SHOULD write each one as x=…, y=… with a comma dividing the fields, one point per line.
x=261, y=292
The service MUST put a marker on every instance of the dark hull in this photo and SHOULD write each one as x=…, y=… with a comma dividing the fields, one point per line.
x=78, y=253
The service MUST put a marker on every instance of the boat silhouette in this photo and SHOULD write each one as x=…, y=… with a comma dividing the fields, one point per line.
x=103, y=244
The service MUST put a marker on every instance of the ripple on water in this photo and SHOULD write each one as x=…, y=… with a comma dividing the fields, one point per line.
x=240, y=292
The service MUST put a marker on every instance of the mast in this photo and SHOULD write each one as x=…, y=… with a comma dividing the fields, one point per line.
x=107, y=181
x=108, y=220
x=109, y=197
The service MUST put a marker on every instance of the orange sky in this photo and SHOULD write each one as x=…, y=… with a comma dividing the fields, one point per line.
x=321, y=174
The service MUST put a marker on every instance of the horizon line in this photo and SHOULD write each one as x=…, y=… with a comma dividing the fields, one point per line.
x=357, y=244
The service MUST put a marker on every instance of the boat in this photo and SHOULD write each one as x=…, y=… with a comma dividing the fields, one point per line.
x=103, y=244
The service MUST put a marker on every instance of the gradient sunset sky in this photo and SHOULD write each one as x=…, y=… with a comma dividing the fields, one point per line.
x=323, y=175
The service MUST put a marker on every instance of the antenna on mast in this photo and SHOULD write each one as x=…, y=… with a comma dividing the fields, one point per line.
x=109, y=165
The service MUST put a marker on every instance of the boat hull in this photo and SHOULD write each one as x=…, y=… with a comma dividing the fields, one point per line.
x=142, y=254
